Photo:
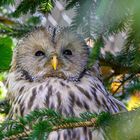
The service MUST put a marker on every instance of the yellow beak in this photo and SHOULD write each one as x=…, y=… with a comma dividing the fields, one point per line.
x=54, y=62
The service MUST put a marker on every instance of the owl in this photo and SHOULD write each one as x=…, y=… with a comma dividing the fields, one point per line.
x=49, y=70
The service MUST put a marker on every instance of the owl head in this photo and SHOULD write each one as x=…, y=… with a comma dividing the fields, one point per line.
x=47, y=53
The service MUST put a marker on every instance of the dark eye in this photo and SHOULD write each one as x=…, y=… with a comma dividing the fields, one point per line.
x=39, y=53
x=67, y=52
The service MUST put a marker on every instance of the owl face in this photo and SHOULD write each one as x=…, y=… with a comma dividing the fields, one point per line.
x=42, y=54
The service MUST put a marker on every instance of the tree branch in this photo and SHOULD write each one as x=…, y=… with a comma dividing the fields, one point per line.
x=120, y=126
x=118, y=69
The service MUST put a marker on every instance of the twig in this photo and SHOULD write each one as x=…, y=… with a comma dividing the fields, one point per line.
x=89, y=123
x=123, y=82
x=118, y=69
x=16, y=137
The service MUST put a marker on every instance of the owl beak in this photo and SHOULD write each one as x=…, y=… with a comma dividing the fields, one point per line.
x=54, y=62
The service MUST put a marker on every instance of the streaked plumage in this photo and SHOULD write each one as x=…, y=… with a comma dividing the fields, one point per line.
x=71, y=89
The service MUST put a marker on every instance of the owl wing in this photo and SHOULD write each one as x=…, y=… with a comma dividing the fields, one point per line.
x=120, y=105
x=95, y=72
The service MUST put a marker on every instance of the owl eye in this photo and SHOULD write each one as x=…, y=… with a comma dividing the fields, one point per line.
x=67, y=52
x=39, y=53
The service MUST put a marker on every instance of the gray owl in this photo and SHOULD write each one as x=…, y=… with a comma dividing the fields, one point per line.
x=49, y=70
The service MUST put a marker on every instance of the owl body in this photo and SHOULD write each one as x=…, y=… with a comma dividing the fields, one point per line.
x=39, y=80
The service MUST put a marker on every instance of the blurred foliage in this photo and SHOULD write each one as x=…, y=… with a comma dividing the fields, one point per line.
x=134, y=101
x=33, y=20
x=12, y=23
x=4, y=105
x=18, y=30
x=5, y=53
x=123, y=126
x=26, y=6
x=95, y=52
x=3, y=2
x=101, y=17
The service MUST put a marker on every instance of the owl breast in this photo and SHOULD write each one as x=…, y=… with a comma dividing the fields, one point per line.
x=67, y=98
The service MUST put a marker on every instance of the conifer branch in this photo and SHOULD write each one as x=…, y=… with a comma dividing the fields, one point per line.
x=89, y=123
x=26, y=133
x=53, y=122
x=20, y=135
x=7, y=21
x=124, y=125
x=118, y=68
